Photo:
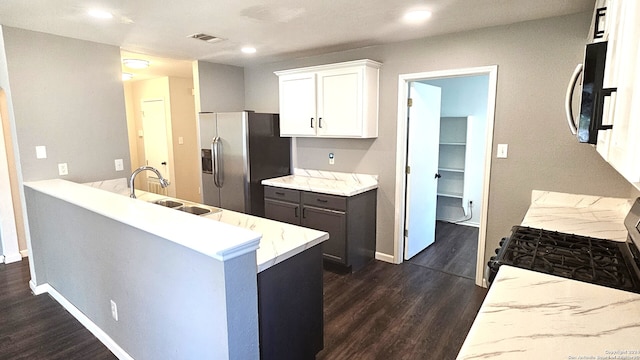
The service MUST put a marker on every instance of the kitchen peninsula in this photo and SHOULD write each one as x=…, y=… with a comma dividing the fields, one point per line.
x=180, y=284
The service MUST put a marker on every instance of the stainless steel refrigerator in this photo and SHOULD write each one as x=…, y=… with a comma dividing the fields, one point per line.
x=238, y=151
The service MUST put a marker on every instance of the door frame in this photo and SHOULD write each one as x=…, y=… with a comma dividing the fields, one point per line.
x=401, y=156
x=172, y=188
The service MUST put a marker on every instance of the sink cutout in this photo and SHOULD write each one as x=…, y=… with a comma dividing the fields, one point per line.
x=194, y=210
x=168, y=203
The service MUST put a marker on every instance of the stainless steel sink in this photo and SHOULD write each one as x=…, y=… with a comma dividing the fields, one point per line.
x=168, y=203
x=194, y=210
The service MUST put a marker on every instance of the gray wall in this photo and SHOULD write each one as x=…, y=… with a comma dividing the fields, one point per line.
x=173, y=303
x=221, y=87
x=67, y=95
x=535, y=60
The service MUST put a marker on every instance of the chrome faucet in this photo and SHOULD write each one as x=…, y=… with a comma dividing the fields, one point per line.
x=163, y=182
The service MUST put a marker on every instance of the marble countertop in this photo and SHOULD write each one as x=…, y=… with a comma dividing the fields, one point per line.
x=529, y=315
x=279, y=241
x=585, y=215
x=216, y=239
x=326, y=182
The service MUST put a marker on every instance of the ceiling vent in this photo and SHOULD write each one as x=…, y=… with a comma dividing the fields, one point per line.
x=205, y=37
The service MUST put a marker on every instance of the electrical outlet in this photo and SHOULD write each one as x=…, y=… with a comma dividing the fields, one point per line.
x=114, y=310
x=63, y=169
x=180, y=140
x=119, y=165
x=332, y=159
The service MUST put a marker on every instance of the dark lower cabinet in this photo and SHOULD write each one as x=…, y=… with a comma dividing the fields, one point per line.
x=349, y=220
x=290, y=307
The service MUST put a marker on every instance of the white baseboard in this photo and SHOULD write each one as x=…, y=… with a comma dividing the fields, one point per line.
x=83, y=319
x=1, y=259
x=384, y=257
x=24, y=253
x=466, y=223
x=11, y=258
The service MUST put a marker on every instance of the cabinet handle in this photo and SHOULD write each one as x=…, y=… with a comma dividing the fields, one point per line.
x=304, y=215
x=599, y=107
x=597, y=32
x=296, y=211
x=320, y=123
x=279, y=193
x=322, y=200
x=311, y=122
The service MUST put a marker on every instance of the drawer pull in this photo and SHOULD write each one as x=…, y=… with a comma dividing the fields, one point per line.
x=322, y=200
x=279, y=193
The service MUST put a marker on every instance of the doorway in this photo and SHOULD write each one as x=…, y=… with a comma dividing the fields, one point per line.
x=156, y=149
x=454, y=189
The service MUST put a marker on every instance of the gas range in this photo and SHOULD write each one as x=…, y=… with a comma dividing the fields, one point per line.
x=599, y=261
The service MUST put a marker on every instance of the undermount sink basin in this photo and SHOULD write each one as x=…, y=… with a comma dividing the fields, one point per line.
x=194, y=210
x=168, y=203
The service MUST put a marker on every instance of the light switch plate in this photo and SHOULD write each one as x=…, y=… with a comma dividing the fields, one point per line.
x=41, y=152
x=502, y=151
x=180, y=140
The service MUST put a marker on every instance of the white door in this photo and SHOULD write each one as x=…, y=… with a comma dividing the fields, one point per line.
x=298, y=105
x=340, y=102
x=423, y=133
x=154, y=125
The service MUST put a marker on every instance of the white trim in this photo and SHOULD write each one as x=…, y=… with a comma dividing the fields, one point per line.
x=1, y=258
x=384, y=257
x=401, y=157
x=24, y=253
x=11, y=258
x=82, y=318
x=458, y=222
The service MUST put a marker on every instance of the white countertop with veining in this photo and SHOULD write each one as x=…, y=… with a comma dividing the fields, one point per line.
x=279, y=241
x=529, y=315
x=586, y=215
x=326, y=182
x=216, y=239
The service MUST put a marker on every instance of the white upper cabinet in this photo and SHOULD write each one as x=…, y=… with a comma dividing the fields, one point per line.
x=333, y=101
x=620, y=145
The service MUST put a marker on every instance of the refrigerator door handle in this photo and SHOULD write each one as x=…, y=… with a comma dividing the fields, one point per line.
x=216, y=149
x=569, y=97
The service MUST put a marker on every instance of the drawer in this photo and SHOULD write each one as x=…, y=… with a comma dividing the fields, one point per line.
x=324, y=201
x=282, y=194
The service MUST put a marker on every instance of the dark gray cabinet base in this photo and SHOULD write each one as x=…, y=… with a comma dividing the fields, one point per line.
x=290, y=307
x=349, y=220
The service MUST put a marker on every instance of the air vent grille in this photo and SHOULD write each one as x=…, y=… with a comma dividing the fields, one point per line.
x=205, y=37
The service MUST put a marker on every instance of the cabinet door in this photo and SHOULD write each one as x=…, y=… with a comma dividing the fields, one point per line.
x=298, y=105
x=282, y=211
x=340, y=102
x=333, y=222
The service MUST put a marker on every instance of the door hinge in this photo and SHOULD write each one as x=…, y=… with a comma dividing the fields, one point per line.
x=406, y=232
x=409, y=102
x=408, y=169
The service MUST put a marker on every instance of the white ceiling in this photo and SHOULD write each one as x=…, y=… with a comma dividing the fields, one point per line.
x=278, y=29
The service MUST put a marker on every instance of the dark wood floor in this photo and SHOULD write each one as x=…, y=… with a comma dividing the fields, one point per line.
x=37, y=327
x=453, y=252
x=383, y=311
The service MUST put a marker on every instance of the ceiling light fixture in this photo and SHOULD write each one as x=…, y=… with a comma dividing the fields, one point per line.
x=127, y=76
x=248, y=50
x=136, y=63
x=417, y=16
x=100, y=14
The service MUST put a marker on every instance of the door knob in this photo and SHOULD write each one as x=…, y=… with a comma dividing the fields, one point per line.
x=438, y=176
x=163, y=163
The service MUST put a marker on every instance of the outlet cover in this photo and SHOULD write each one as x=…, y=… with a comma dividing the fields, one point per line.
x=114, y=310
x=63, y=169
x=41, y=152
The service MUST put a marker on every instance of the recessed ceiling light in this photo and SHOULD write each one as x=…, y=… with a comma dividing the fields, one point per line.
x=127, y=76
x=136, y=63
x=417, y=16
x=100, y=14
x=248, y=50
